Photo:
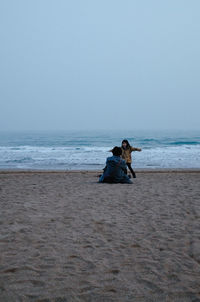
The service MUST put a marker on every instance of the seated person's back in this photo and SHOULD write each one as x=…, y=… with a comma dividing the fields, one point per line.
x=116, y=169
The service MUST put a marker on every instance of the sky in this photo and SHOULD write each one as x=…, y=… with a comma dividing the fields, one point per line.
x=99, y=64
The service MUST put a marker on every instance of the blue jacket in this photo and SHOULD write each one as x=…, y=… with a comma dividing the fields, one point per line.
x=115, y=171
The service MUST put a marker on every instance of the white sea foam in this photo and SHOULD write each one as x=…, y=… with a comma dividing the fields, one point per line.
x=169, y=157
x=93, y=157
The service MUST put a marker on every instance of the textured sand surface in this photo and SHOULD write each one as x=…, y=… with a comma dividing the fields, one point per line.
x=64, y=237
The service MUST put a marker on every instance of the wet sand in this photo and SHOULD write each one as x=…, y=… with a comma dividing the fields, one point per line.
x=66, y=238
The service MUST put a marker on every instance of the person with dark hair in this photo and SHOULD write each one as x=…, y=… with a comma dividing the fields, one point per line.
x=116, y=169
x=126, y=154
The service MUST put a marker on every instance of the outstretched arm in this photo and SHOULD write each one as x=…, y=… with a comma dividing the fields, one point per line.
x=135, y=149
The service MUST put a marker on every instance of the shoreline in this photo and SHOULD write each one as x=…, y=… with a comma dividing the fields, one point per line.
x=42, y=171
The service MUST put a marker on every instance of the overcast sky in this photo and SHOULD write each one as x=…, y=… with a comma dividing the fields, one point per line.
x=99, y=64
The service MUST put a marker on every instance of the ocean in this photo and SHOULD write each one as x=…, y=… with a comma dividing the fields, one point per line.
x=88, y=150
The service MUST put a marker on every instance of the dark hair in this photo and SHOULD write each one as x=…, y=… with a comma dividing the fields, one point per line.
x=127, y=144
x=117, y=151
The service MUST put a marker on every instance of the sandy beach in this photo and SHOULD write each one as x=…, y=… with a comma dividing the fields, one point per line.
x=65, y=238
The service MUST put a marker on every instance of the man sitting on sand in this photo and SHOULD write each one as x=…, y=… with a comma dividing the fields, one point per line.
x=116, y=169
